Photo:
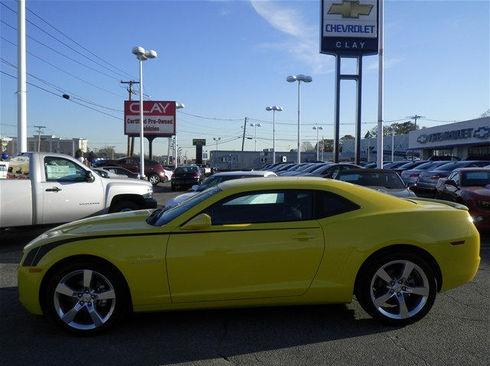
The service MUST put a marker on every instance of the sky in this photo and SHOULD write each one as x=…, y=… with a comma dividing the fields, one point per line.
x=227, y=60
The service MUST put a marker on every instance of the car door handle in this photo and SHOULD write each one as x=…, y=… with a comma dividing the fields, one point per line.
x=53, y=189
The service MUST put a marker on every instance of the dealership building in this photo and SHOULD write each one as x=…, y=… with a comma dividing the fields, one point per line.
x=49, y=143
x=465, y=140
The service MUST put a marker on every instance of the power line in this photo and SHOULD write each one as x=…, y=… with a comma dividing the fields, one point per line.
x=67, y=45
x=61, y=96
x=63, y=90
x=62, y=54
x=62, y=70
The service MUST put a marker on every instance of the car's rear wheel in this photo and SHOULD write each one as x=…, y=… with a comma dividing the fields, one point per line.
x=397, y=289
x=154, y=179
x=85, y=298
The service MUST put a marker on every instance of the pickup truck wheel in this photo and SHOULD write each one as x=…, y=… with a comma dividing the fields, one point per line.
x=85, y=297
x=123, y=206
x=154, y=179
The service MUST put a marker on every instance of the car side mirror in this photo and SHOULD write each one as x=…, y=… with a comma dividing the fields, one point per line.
x=200, y=222
x=89, y=177
x=450, y=182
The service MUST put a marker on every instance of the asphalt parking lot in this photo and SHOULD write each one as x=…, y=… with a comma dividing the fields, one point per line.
x=456, y=331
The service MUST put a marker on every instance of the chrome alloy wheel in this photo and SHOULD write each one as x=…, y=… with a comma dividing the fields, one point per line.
x=84, y=299
x=153, y=179
x=399, y=289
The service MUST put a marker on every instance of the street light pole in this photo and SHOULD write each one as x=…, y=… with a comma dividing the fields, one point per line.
x=142, y=55
x=306, y=79
x=317, y=128
x=216, y=140
x=255, y=125
x=21, y=79
x=274, y=108
x=177, y=106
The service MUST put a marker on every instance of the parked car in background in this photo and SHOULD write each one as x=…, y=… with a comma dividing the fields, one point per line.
x=120, y=171
x=216, y=179
x=471, y=187
x=293, y=168
x=281, y=167
x=186, y=176
x=304, y=170
x=154, y=171
x=383, y=180
x=426, y=183
x=394, y=164
x=410, y=176
x=330, y=170
x=47, y=188
x=408, y=165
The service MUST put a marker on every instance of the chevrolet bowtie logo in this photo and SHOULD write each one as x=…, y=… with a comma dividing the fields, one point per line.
x=350, y=9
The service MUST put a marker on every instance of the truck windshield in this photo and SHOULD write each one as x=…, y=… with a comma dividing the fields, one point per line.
x=164, y=216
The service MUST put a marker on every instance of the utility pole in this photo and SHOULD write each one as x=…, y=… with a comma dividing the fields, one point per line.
x=130, y=91
x=244, y=130
x=416, y=117
x=39, y=132
x=21, y=79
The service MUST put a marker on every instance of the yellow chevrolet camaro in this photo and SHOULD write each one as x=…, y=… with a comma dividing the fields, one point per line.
x=255, y=242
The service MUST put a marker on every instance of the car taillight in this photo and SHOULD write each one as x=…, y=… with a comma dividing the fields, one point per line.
x=435, y=176
x=414, y=175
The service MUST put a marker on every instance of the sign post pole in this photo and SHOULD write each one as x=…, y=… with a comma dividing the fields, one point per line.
x=379, y=134
x=349, y=29
x=142, y=128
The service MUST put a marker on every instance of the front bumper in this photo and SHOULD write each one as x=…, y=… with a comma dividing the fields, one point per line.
x=150, y=203
x=29, y=280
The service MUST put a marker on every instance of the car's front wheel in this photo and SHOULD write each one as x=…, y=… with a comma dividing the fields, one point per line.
x=85, y=297
x=397, y=289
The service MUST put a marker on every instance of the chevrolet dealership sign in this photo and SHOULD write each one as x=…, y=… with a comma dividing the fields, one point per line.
x=463, y=133
x=349, y=27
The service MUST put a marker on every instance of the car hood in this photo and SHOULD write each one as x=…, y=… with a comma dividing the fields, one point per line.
x=133, y=222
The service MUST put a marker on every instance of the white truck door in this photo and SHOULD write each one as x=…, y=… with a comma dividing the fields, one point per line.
x=66, y=193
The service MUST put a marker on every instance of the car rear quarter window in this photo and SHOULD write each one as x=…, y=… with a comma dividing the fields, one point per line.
x=329, y=204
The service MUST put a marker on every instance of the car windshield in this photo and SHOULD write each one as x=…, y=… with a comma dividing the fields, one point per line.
x=448, y=167
x=389, y=180
x=477, y=178
x=321, y=168
x=164, y=216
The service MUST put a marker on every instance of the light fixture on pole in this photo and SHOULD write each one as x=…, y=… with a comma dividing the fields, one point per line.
x=217, y=140
x=317, y=128
x=142, y=55
x=306, y=79
x=255, y=125
x=274, y=109
x=177, y=106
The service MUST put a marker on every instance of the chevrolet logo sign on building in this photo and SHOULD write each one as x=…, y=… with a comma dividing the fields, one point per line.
x=350, y=9
x=349, y=27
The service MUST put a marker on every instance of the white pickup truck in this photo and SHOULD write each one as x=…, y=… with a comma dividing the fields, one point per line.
x=46, y=188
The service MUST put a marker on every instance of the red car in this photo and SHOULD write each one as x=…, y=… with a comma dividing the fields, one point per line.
x=471, y=187
x=154, y=171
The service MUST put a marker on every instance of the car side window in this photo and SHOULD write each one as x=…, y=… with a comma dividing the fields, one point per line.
x=331, y=204
x=63, y=170
x=456, y=178
x=263, y=207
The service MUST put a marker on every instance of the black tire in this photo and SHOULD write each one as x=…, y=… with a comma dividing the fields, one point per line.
x=125, y=205
x=57, y=305
x=154, y=179
x=371, y=286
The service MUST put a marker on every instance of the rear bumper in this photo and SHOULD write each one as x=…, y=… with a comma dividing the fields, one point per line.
x=185, y=181
x=424, y=186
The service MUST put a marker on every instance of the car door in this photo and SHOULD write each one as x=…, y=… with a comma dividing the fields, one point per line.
x=66, y=193
x=260, y=245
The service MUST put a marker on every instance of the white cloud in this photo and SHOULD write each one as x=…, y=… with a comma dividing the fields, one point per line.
x=302, y=42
